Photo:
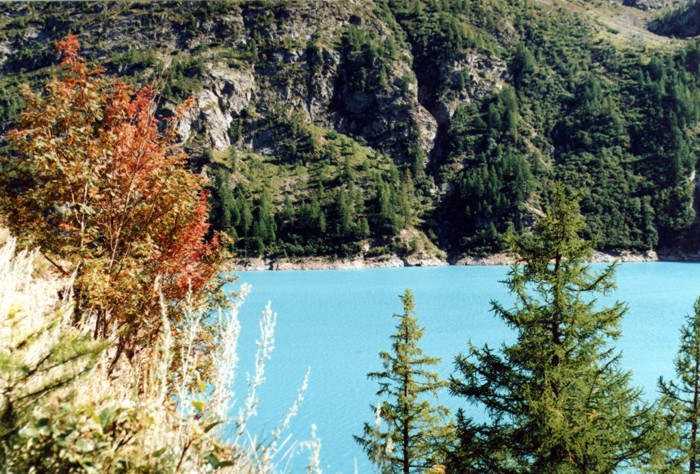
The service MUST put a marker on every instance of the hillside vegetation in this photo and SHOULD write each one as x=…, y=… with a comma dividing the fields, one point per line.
x=118, y=342
x=327, y=128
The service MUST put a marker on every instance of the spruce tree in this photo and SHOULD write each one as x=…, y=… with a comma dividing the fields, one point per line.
x=414, y=430
x=682, y=397
x=222, y=202
x=557, y=398
x=344, y=212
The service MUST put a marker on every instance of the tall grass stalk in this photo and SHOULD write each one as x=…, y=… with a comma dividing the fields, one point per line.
x=314, y=444
x=157, y=417
x=265, y=344
x=226, y=359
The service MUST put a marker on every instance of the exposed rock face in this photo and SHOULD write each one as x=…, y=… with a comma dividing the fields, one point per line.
x=652, y=4
x=427, y=127
x=299, y=68
x=5, y=50
x=317, y=263
x=387, y=115
x=234, y=87
x=216, y=122
x=320, y=87
x=683, y=23
x=482, y=74
x=228, y=92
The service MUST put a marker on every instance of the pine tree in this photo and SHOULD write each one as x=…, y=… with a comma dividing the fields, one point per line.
x=266, y=226
x=345, y=214
x=222, y=202
x=557, y=398
x=387, y=218
x=682, y=397
x=415, y=429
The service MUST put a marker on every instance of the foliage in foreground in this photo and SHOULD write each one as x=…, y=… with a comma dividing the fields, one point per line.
x=681, y=396
x=118, y=364
x=557, y=399
x=416, y=432
x=92, y=182
x=61, y=411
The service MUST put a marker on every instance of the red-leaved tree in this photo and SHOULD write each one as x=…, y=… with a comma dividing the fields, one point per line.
x=93, y=181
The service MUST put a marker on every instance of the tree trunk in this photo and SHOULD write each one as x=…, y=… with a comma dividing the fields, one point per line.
x=694, y=422
x=405, y=428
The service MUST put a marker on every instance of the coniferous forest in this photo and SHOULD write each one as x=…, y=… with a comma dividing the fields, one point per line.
x=147, y=146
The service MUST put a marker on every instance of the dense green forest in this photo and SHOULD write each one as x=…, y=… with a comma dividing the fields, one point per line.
x=402, y=127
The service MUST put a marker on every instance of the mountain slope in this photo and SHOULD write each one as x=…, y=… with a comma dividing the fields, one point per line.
x=328, y=127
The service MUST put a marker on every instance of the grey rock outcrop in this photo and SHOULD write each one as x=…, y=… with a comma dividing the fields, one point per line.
x=482, y=74
x=227, y=93
x=647, y=5
x=682, y=23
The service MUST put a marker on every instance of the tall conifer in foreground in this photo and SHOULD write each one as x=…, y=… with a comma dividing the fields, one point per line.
x=682, y=397
x=415, y=429
x=557, y=398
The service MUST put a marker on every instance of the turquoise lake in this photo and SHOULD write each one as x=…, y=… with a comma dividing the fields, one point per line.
x=336, y=322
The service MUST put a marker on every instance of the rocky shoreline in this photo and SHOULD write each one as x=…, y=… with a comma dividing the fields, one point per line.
x=319, y=263
x=394, y=261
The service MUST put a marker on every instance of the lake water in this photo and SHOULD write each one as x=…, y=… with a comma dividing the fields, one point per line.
x=336, y=322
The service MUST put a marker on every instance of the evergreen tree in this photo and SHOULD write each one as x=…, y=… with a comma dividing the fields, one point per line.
x=682, y=397
x=557, y=398
x=266, y=228
x=246, y=220
x=388, y=221
x=222, y=202
x=344, y=213
x=348, y=173
x=415, y=429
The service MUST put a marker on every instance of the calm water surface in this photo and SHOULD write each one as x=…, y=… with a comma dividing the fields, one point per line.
x=337, y=321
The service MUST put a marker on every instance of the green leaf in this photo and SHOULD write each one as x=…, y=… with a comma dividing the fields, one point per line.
x=198, y=405
x=105, y=417
x=28, y=432
x=214, y=461
x=202, y=385
x=209, y=427
x=159, y=452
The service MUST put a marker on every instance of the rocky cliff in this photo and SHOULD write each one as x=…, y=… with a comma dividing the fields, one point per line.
x=682, y=22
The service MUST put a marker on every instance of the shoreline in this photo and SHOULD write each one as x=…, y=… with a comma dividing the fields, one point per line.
x=394, y=261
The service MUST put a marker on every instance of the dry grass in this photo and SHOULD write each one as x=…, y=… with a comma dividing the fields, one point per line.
x=168, y=419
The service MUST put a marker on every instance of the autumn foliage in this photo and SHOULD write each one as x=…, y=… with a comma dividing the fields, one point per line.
x=94, y=182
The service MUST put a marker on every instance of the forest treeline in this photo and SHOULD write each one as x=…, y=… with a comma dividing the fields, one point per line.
x=331, y=155
x=618, y=124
